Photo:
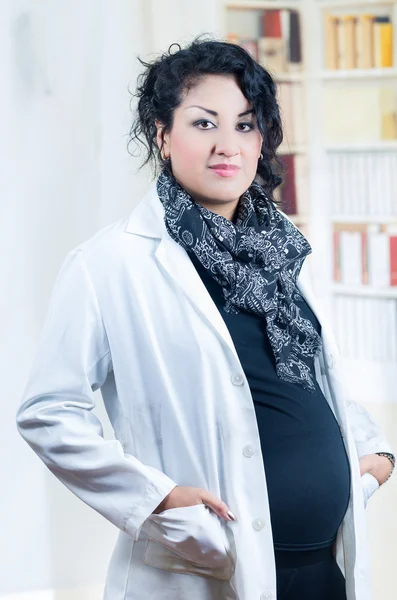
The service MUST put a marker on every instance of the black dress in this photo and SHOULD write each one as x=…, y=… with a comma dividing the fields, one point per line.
x=306, y=464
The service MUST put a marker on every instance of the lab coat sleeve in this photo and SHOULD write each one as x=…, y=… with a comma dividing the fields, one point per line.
x=368, y=438
x=367, y=434
x=56, y=415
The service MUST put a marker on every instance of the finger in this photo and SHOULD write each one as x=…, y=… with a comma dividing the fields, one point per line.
x=217, y=505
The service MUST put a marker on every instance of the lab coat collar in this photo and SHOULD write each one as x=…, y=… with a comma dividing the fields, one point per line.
x=147, y=219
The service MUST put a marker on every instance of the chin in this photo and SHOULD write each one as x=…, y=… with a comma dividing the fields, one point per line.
x=226, y=192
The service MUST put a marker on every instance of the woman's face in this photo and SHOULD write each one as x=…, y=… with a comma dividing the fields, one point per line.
x=213, y=126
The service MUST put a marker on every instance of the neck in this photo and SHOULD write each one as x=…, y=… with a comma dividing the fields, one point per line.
x=228, y=211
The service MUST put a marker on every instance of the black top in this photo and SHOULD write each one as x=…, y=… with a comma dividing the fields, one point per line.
x=306, y=465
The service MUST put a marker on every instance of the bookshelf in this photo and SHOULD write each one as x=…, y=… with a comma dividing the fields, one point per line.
x=250, y=24
x=328, y=196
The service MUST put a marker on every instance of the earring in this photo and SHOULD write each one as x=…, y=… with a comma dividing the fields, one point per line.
x=261, y=156
x=162, y=156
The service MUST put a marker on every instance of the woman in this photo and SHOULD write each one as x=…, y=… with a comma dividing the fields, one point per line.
x=240, y=468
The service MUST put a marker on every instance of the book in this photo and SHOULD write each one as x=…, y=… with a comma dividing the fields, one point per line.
x=271, y=24
x=387, y=107
x=383, y=42
x=336, y=255
x=349, y=23
x=365, y=41
x=392, y=233
x=293, y=192
x=350, y=257
x=272, y=54
x=331, y=41
x=287, y=190
x=272, y=48
x=378, y=256
x=346, y=42
x=349, y=253
x=294, y=39
x=301, y=167
x=292, y=106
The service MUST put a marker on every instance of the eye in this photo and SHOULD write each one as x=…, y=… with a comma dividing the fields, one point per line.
x=249, y=125
x=203, y=122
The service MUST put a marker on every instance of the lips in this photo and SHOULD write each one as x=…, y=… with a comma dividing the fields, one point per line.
x=225, y=170
x=224, y=167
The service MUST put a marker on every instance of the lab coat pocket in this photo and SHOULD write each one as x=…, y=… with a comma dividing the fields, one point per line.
x=369, y=484
x=188, y=539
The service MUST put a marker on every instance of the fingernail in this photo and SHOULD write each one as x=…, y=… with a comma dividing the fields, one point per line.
x=231, y=515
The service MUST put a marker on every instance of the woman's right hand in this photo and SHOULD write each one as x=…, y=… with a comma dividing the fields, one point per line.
x=190, y=496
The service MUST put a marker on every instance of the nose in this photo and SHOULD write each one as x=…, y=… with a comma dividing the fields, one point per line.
x=227, y=145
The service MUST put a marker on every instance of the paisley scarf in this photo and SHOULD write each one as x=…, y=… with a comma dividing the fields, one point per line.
x=257, y=260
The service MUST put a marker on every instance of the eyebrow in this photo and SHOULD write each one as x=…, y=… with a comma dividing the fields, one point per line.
x=212, y=112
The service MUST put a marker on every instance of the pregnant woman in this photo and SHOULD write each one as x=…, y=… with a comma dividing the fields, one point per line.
x=240, y=468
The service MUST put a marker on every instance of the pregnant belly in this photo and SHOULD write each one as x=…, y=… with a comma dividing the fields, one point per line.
x=308, y=480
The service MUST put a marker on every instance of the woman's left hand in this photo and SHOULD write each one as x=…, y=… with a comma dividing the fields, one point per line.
x=379, y=466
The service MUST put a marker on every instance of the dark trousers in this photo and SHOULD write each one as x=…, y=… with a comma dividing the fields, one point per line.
x=309, y=575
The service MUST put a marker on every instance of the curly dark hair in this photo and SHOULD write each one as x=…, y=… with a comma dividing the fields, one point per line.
x=160, y=89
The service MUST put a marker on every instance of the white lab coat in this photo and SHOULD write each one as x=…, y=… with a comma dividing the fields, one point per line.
x=130, y=315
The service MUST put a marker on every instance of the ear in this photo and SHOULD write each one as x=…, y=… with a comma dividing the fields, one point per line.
x=159, y=137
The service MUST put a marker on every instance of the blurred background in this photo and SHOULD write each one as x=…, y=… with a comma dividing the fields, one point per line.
x=67, y=72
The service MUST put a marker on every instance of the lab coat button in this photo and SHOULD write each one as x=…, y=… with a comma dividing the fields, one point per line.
x=330, y=361
x=258, y=523
x=237, y=379
x=266, y=596
x=248, y=451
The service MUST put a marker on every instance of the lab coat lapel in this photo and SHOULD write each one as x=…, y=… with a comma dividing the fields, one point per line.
x=178, y=265
x=148, y=220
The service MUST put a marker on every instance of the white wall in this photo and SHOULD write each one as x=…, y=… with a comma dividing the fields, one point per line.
x=65, y=113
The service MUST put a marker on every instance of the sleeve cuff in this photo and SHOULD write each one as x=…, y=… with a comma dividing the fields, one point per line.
x=370, y=485
x=155, y=493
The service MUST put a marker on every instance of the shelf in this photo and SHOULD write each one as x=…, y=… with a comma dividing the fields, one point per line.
x=263, y=4
x=358, y=73
x=380, y=146
x=297, y=76
x=378, y=219
x=361, y=290
x=329, y=4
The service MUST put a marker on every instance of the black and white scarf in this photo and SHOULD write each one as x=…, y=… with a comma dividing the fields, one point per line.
x=257, y=261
